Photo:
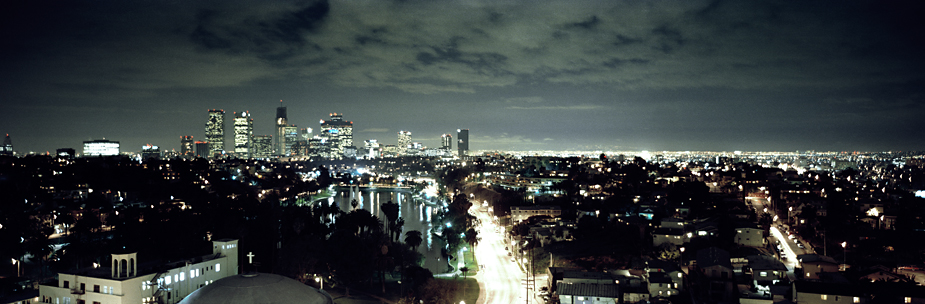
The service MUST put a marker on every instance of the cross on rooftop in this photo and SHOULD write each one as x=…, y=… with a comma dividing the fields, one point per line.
x=250, y=257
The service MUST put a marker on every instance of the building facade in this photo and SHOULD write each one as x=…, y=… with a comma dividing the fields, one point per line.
x=7, y=147
x=281, y=123
x=186, y=146
x=291, y=132
x=202, y=149
x=125, y=282
x=243, y=134
x=263, y=146
x=446, y=142
x=371, y=148
x=336, y=135
x=520, y=213
x=215, y=132
x=101, y=147
x=404, y=142
x=463, y=145
x=150, y=151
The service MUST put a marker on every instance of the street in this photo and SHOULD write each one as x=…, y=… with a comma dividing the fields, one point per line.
x=500, y=279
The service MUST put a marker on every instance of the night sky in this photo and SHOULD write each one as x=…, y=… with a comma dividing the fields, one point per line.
x=521, y=75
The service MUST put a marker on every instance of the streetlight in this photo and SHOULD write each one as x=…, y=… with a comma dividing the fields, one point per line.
x=320, y=281
x=681, y=257
x=17, y=266
x=844, y=245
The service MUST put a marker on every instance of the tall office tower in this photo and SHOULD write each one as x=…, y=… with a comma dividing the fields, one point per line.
x=215, y=132
x=291, y=132
x=404, y=140
x=372, y=148
x=447, y=142
x=338, y=134
x=101, y=147
x=203, y=149
x=306, y=133
x=263, y=146
x=243, y=134
x=463, y=145
x=281, y=124
x=7, y=147
x=186, y=146
x=316, y=147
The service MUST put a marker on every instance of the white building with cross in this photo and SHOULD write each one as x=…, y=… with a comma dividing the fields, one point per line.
x=127, y=281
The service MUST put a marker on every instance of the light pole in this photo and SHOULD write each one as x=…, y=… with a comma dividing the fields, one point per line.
x=789, y=212
x=844, y=245
x=681, y=258
x=319, y=280
x=17, y=266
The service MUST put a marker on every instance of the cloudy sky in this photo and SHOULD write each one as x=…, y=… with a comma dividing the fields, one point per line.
x=521, y=75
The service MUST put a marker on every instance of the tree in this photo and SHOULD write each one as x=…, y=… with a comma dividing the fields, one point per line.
x=472, y=237
x=390, y=210
x=413, y=238
x=668, y=251
x=351, y=260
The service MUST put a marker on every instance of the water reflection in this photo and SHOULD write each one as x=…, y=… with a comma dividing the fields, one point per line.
x=372, y=200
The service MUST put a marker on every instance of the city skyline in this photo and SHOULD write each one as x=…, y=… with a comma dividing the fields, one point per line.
x=588, y=75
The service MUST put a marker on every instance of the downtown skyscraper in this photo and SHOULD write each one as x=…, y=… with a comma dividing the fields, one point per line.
x=262, y=146
x=243, y=134
x=186, y=146
x=337, y=136
x=463, y=145
x=281, y=124
x=446, y=142
x=215, y=132
x=404, y=142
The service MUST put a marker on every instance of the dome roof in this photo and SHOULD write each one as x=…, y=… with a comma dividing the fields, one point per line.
x=257, y=288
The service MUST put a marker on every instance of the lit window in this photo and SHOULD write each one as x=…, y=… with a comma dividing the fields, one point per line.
x=825, y=297
x=182, y=276
x=856, y=300
x=168, y=281
x=176, y=278
x=218, y=267
x=907, y=300
x=192, y=274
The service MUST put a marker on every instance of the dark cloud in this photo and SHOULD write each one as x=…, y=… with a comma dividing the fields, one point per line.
x=588, y=24
x=277, y=36
x=647, y=74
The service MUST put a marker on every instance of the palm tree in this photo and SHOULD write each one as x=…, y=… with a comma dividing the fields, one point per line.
x=390, y=210
x=414, y=239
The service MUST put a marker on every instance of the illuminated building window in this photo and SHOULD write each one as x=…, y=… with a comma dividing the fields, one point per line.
x=218, y=267
x=825, y=297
